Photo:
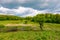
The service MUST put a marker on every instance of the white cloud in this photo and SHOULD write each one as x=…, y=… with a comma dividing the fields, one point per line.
x=21, y=11
x=37, y=4
x=4, y=9
x=24, y=11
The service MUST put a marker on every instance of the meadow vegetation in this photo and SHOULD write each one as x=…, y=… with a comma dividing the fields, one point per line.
x=29, y=28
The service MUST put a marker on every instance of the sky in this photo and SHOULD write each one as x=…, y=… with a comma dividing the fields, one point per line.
x=29, y=7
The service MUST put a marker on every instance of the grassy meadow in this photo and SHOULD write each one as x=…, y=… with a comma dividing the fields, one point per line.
x=51, y=31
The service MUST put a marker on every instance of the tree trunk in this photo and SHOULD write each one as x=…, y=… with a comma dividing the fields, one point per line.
x=41, y=26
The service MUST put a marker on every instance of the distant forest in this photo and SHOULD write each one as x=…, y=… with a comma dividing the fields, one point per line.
x=47, y=18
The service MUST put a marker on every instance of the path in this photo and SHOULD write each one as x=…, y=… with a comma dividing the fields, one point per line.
x=20, y=25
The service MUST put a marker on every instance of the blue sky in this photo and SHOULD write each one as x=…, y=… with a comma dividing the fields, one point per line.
x=29, y=7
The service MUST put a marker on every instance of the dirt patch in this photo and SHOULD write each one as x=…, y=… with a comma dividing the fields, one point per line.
x=19, y=25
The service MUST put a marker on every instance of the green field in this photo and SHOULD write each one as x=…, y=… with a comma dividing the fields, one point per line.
x=51, y=32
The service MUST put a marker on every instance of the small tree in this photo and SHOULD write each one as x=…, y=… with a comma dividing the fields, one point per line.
x=40, y=18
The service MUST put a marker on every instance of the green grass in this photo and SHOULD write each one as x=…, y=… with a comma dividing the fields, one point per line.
x=15, y=22
x=51, y=32
x=31, y=35
x=52, y=26
x=11, y=22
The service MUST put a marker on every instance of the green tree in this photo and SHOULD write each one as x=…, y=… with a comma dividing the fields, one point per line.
x=40, y=18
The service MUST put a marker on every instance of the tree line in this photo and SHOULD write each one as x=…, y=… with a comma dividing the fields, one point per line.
x=47, y=18
x=9, y=17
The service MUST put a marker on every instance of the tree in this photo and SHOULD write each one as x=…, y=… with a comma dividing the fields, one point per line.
x=40, y=18
x=28, y=18
x=57, y=18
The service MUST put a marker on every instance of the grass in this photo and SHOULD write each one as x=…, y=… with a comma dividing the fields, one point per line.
x=11, y=22
x=51, y=32
x=15, y=22
x=52, y=26
x=30, y=35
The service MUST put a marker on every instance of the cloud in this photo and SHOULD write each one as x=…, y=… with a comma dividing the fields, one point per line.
x=6, y=1
x=46, y=5
x=17, y=1
x=20, y=11
x=37, y=4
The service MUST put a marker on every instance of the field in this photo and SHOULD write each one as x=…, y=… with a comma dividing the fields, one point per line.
x=51, y=32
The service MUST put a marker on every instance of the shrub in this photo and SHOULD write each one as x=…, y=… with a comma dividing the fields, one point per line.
x=25, y=22
x=1, y=28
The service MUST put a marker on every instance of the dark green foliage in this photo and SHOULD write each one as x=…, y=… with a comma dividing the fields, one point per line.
x=43, y=38
x=40, y=18
x=28, y=18
x=52, y=18
x=9, y=17
x=25, y=22
x=47, y=18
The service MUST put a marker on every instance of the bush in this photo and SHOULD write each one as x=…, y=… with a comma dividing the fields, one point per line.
x=25, y=22
x=2, y=28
